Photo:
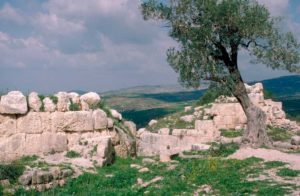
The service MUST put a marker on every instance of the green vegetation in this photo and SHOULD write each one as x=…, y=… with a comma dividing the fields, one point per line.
x=172, y=121
x=54, y=99
x=212, y=94
x=42, y=108
x=226, y=177
x=15, y=169
x=231, y=133
x=74, y=106
x=286, y=172
x=216, y=150
x=103, y=106
x=278, y=134
x=273, y=164
x=72, y=154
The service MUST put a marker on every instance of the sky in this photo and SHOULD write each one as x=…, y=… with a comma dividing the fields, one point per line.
x=97, y=45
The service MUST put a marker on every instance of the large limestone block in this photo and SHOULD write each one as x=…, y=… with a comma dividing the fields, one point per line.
x=207, y=128
x=131, y=126
x=74, y=97
x=45, y=143
x=49, y=106
x=76, y=121
x=12, y=147
x=115, y=114
x=63, y=102
x=13, y=103
x=34, y=102
x=30, y=123
x=100, y=119
x=89, y=99
x=8, y=125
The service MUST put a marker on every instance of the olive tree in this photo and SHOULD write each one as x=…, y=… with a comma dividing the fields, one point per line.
x=211, y=34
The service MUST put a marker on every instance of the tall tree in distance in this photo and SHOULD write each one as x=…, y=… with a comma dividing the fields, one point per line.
x=211, y=33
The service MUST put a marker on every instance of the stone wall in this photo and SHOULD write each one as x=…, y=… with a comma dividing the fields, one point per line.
x=224, y=113
x=34, y=126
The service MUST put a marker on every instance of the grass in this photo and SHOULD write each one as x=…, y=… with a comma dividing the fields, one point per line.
x=74, y=106
x=72, y=154
x=15, y=169
x=216, y=150
x=226, y=177
x=286, y=172
x=231, y=133
x=54, y=98
x=278, y=134
x=273, y=164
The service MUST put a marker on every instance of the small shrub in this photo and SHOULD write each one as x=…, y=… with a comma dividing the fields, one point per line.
x=286, y=172
x=278, y=134
x=213, y=93
x=223, y=150
x=273, y=164
x=74, y=106
x=1, y=190
x=72, y=154
x=42, y=108
x=11, y=171
x=54, y=99
x=231, y=133
x=103, y=106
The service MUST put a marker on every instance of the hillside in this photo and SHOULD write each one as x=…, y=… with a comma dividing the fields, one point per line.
x=144, y=103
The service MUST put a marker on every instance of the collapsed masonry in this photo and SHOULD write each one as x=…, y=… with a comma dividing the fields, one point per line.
x=224, y=113
x=45, y=126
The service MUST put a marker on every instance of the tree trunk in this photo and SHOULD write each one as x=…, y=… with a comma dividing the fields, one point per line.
x=255, y=135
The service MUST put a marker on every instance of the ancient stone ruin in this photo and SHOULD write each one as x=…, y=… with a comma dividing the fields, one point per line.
x=35, y=125
x=224, y=113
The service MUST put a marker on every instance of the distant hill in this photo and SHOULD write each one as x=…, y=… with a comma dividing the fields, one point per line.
x=144, y=103
x=173, y=88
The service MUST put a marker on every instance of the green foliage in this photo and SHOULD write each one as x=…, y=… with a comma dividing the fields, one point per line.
x=54, y=99
x=15, y=169
x=274, y=164
x=74, y=106
x=211, y=33
x=213, y=93
x=72, y=154
x=1, y=190
x=42, y=108
x=231, y=133
x=278, y=134
x=103, y=106
x=286, y=172
x=226, y=177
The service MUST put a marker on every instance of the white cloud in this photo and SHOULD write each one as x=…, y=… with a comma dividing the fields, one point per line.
x=57, y=25
x=276, y=7
x=10, y=14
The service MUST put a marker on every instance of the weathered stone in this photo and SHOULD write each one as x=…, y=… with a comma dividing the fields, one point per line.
x=115, y=114
x=45, y=143
x=295, y=140
x=76, y=121
x=164, y=158
x=164, y=131
x=30, y=123
x=100, y=119
x=148, y=161
x=110, y=123
x=4, y=183
x=13, y=103
x=188, y=108
x=152, y=122
x=66, y=173
x=25, y=179
x=12, y=147
x=34, y=102
x=200, y=147
x=131, y=126
x=187, y=118
x=74, y=97
x=49, y=106
x=63, y=102
x=89, y=99
x=144, y=170
x=8, y=125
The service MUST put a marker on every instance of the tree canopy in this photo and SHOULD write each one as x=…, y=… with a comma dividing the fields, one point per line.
x=210, y=34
